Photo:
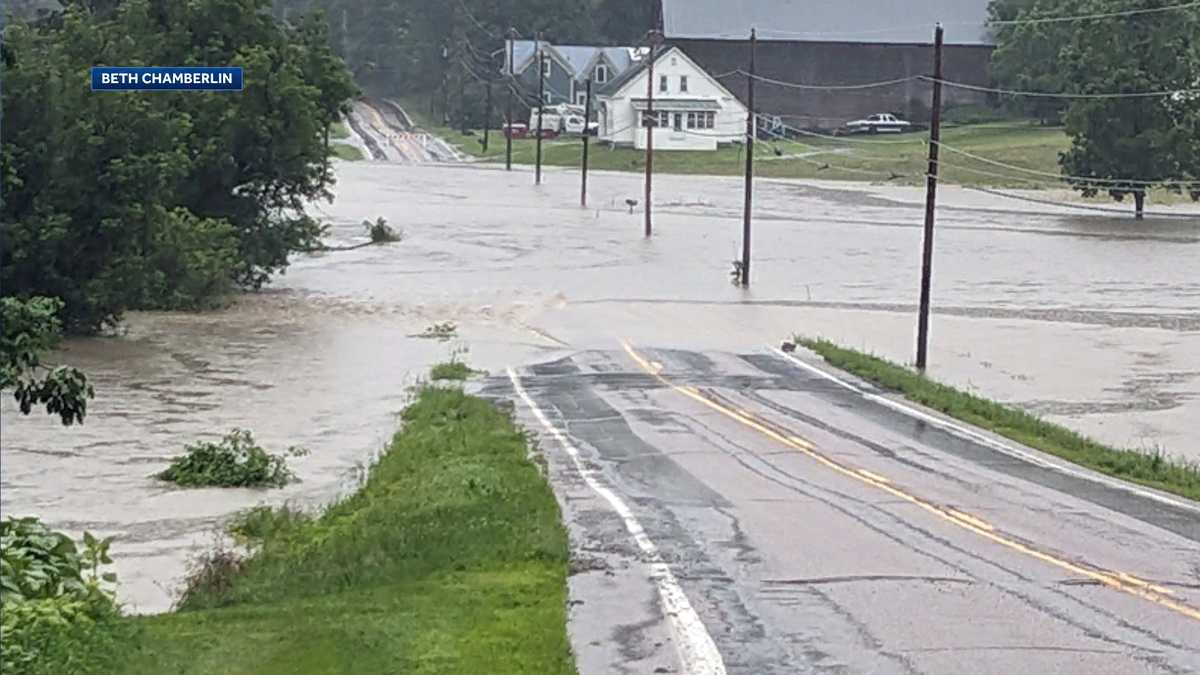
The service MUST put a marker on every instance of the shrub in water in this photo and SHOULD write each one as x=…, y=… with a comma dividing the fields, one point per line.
x=235, y=461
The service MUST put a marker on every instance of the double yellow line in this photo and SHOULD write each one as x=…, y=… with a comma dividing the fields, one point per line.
x=1120, y=581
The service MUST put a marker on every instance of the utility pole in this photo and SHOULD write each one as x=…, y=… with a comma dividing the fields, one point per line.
x=487, y=116
x=541, y=105
x=935, y=137
x=462, y=95
x=587, y=118
x=650, y=123
x=512, y=39
x=751, y=138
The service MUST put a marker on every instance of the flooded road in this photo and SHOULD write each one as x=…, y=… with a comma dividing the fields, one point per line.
x=1088, y=320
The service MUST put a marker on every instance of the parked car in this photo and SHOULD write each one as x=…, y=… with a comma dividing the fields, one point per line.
x=880, y=123
x=516, y=130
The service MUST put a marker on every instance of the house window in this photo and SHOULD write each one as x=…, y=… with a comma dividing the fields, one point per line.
x=691, y=120
x=547, y=64
x=664, y=118
x=683, y=83
x=709, y=119
x=581, y=98
x=678, y=122
x=662, y=83
x=547, y=97
x=601, y=74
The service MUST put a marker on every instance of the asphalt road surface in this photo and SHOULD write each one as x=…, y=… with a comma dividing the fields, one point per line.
x=753, y=513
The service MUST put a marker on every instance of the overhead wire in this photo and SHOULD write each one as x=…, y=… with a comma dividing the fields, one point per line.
x=1069, y=178
x=1096, y=16
x=768, y=33
x=798, y=85
x=1062, y=95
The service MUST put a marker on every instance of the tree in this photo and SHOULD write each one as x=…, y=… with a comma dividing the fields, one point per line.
x=1132, y=144
x=625, y=22
x=1026, y=55
x=29, y=329
x=164, y=200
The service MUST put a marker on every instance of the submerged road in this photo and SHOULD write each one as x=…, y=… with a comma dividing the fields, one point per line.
x=754, y=513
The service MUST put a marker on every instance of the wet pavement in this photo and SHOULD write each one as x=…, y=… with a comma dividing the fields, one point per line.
x=818, y=530
x=1088, y=320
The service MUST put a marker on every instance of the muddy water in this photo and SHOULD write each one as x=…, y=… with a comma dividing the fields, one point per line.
x=1091, y=321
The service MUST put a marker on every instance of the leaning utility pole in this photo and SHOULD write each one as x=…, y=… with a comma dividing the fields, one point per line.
x=587, y=120
x=487, y=116
x=508, y=114
x=935, y=137
x=541, y=103
x=650, y=123
x=751, y=138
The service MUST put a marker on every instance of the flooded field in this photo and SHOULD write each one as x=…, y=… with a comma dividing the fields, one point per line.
x=1090, y=320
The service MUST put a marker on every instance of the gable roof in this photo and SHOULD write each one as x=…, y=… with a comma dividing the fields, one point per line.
x=577, y=59
x=865, y=21
x=614, y=87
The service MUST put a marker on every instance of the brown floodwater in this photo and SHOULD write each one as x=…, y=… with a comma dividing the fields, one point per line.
x=1090, y=320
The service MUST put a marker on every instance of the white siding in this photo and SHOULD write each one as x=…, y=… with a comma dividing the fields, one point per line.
x=619, y=124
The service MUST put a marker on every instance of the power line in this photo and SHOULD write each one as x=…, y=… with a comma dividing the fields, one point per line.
x=844, y=139
x=1112, y=182
x=1084, y=207
x=1090, y=17
x=1047, y=94
x=911, y=27
x=797, y=85
x=476, y=21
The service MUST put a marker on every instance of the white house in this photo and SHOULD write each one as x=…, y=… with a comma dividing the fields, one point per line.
x=693, y=110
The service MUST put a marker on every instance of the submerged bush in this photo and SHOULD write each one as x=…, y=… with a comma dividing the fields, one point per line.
x=234, y=461
x=380, y=232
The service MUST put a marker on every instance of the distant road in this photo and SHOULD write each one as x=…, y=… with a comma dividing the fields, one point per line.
x=390, y=136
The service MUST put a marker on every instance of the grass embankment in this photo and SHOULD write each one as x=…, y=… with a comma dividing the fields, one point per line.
x=342, y=150
x=346, y=152
x=860, y=158
x=451, y=559
x=1150, y=469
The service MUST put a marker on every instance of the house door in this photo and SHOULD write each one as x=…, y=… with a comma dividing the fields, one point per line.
x=678, y=122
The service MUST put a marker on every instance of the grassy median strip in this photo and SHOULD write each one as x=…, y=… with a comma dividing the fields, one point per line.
x=1152, y=469
x=452, y=558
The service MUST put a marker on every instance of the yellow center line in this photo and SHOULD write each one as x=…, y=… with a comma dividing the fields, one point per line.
x=1118, y=581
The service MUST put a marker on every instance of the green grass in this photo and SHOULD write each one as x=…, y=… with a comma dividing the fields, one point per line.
x=451, y=559
x=865, y=158
x=346, y=152
x=450, y=370
x=1150, y=469
x=338, y=130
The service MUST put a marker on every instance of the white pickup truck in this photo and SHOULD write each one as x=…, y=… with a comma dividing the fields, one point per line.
x=881, y=123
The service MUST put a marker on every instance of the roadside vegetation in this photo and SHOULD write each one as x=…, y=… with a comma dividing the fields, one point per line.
x=346, y=151
x=171, y=201
x=1152, y=469
x=234, y=461
x=450, y=370
x=451, y=558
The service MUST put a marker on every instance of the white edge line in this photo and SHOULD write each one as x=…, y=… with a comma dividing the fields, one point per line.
x=697, y=652
x=973, y=435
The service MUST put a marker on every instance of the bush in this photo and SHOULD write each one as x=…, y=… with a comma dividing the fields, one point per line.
x=235, y=461
x=55, y=616
x=263, y=522
x=380, y=232
x=38, y=563
x=61, y=635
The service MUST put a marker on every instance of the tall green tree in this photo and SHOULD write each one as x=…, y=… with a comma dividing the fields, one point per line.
x=1026, y=57
x=1133, y=143
x=117, y=200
